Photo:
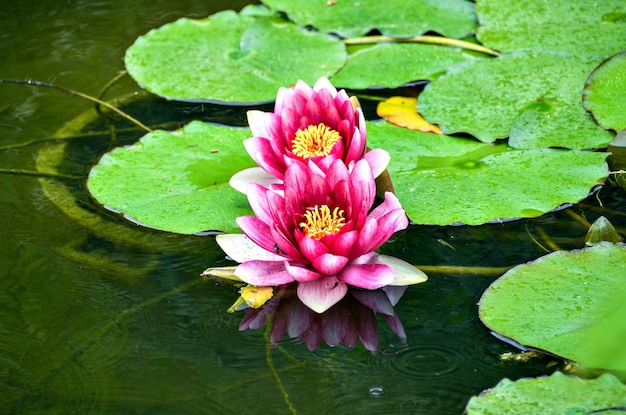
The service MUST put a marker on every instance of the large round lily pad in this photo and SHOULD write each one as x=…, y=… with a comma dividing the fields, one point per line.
x=349, y=18
x=549, y=395
x=393, y=64
x=231, y=57
x=605, y=92
x=535, y=98
x=178, y=181
x=570, y=304
x=444, y=180
x=581, y=27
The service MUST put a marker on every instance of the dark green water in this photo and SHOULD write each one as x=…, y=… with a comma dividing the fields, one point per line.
x=98, y=315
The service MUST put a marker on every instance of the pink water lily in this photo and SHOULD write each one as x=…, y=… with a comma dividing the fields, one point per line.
x=321, y=233
x=310, y=125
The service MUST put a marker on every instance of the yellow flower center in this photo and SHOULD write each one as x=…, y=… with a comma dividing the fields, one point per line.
x=320, y=221
x=315, y=140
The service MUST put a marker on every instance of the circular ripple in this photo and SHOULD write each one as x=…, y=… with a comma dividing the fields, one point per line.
x=428, y=360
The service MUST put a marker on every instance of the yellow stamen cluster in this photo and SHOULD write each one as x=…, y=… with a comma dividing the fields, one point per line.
x=315, y=140
x=320, y=221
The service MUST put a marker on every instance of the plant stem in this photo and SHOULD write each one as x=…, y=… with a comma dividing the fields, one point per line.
x=78, y=94
x=433, y=40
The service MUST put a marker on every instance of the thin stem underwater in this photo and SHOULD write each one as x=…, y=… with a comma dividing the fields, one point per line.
x=104, y=104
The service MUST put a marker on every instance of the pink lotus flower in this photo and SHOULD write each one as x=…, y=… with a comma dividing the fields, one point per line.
x=308, y=126
x=321, y=234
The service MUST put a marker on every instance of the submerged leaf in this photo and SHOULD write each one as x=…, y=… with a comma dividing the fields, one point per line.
x=176, y=182
x=570, y=304
x=602, y=230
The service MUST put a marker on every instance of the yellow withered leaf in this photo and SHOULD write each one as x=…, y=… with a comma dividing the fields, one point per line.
x=254, y=296
x=402, y=111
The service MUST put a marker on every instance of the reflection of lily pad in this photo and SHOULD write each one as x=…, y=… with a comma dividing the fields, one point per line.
x=178, y=181
x=582, y=27
x=605, y=93
x=230, y=57
x=443, y=180
x=393, y=64
x=570, y=304
x=556, y=394
x=453, y=18
x=538, y=94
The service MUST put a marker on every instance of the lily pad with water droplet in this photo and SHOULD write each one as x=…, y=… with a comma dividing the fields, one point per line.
x=444, y=180
x=605, y=92
x=534, y=98
x=570, y=304
x=176, y=181
x=548, y=395
x=230, y=57
x=582, y=27
x=349, y=18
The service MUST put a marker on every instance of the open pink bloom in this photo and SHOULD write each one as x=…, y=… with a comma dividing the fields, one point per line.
x=321, y=233
x=315, y=125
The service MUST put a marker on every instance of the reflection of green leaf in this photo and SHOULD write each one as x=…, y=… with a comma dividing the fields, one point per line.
x=605, y=93
x=443, y=180
x=453, y=18
x=556, y=394
x=535, y=98
x=230, y=57
x=570, y=304
x=393, y=64
x=178, y=181
x=582, y=27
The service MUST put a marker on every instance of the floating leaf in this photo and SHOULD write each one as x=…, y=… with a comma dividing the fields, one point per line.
x=444, y=180
x=556, y=394
x=583, y=27
x=230, y=57
x=177, y=182
x=570, y=304
x=534, y=98
x=605, y=92
x=254, y=296
x=349, y=18
x=402, y=111
x=393, y=64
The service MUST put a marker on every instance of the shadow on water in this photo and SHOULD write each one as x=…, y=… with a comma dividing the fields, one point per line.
x=100, y=315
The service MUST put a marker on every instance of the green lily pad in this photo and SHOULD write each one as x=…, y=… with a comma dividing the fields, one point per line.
x=582, y=27
x=535, y=98
x=231, y=57
x=605, y=93
x=549, y=395
x=452, y=18
x=444, y=180
x=393, y=64
x=570, y=304
x=176, y=182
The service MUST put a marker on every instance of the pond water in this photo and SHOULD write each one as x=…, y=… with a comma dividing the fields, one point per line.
x=99, y=315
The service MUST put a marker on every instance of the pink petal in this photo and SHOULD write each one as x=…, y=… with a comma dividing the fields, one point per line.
x=258, y=121
x=257, y=198
x=256, y=230
x=321, y=294
x=378, y=160
x=261, y=151
x=344, y=243
x=240, y=180
x=329, y=264
x=369, y=276
x=301, y=273
x=312, y=248
x=263, y=273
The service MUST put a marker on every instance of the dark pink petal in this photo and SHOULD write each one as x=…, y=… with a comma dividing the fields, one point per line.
x=344, y=242
x=258, y=202
x=263, y=273
x=261, y=151
x=301, y=273
x=329, y=264
x=387, y=225
x=369, y=276
x=256, y=230
x=321, y=294
x=390, y=203
x=366, y=235
x=285, y=245
x=299, y=317
x=368, y=330
x=312, y=248
x=375, y=299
